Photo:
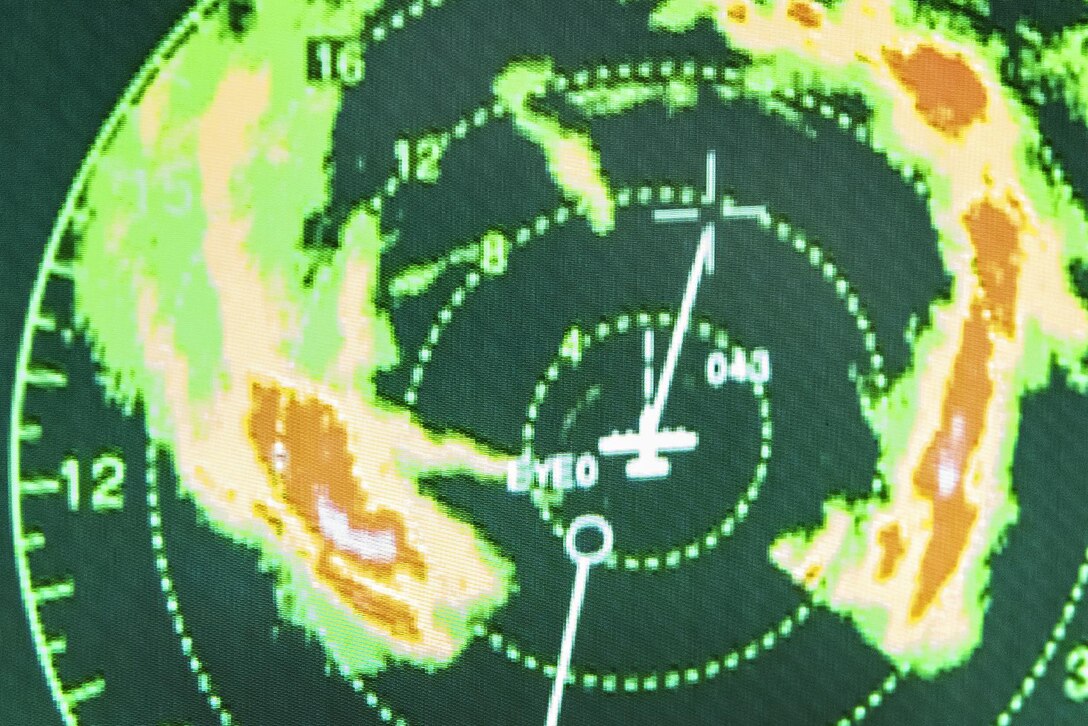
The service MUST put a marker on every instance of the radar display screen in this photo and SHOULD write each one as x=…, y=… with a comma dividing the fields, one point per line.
x=565, y=362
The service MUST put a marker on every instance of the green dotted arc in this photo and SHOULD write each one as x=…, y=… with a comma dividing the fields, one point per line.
x=692, y=550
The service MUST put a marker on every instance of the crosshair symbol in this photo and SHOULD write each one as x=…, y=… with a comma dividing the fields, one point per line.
x=648, y=442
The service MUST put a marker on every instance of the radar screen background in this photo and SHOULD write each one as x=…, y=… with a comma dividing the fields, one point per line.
x=523, y=362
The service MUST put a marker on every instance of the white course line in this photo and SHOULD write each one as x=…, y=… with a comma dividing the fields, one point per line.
x=583, y=561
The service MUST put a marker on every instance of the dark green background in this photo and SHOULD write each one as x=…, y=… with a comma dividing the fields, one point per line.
x=65, y=64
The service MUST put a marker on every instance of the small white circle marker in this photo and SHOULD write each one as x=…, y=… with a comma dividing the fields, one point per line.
x=583, y=562
x=589, y=521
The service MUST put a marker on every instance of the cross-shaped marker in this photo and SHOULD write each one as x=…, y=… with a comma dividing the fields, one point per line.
x=648, y=442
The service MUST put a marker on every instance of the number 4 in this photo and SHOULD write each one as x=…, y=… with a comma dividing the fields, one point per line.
x=738, y=370
x=108, y=475
x=573, y=345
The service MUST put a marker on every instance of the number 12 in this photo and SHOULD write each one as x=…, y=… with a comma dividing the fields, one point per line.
x=108, y=476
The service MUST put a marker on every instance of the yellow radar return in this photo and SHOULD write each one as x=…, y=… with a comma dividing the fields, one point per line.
x=573, y=362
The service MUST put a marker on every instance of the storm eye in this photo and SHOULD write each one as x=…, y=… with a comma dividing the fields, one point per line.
x=377, y=545
x=948, y=475
x=279, y=456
